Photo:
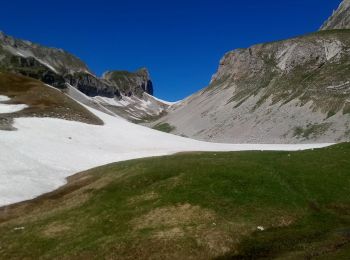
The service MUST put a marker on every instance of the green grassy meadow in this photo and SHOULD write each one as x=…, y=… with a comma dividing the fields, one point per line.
x=237, y=205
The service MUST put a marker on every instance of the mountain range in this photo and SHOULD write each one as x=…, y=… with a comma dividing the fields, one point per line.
x=279, y=192
x=63, y=70
x=290, y=91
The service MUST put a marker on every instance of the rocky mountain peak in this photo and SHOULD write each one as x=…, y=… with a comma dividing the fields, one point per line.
x=144, y=71
x=340, y=18
x=54, y=59
x=130, y=82
x=310, y=52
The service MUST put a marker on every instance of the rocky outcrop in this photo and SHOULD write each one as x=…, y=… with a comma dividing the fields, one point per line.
x=340, y=18
x=57, y=67
x=130, y=83
x=50, y=65
x=32, y=68
x=57, y=60
x=281, y=58
x=122, y=93
x=291, y=91
x=92, y=86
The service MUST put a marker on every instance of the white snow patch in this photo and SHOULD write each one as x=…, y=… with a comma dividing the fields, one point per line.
x=162, y=101
x=38, y=157
x=18, y=52
x=27, y=53
x=4, y=98
x=260, y=228
x=7, y=108
x=46, y=64
x=340, y=86
x=134, y=117
x=123, y=102
x=108, y=101
x=18, y=228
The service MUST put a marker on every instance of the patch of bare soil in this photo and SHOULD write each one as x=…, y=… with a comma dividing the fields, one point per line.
x=284, y=221
x=185, y=214
x=185, y=221
x=55, y=229
x=144, y=197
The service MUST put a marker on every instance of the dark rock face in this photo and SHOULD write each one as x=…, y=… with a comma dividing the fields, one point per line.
x=32, y=68
x=91, y=85
x=130, y=83
x=149, y=87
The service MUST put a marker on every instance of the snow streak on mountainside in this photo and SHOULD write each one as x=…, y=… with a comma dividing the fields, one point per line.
x=291, y=91
x=42, y=152
x=133, y=108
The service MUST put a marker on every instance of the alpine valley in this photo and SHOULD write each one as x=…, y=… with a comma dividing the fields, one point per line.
x=291, y=91
x=253, y=166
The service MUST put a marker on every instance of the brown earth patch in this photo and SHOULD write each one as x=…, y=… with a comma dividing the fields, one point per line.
x=283, y=221
x=42, y=101
x=144, y=197
x=55, y=229
x=185, y=221
x=169, y=234
x=170, y=183
x=172, y=216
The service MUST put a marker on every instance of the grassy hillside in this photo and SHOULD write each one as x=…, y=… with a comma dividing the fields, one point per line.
x=42, y=101
x=239, y=205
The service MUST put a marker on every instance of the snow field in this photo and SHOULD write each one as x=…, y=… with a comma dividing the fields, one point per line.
x=38, y=157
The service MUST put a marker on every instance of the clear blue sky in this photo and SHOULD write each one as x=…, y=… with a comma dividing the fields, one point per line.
x=179, y=41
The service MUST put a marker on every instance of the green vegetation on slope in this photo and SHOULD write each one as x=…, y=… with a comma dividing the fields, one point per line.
x=192, y=205
x=307, y=82
x=42, y=101
x=164, y=127
x=311, y=130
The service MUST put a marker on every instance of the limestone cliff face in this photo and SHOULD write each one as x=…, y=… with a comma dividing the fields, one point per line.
x=340, y=18
x=297, y=90
x=268, y=61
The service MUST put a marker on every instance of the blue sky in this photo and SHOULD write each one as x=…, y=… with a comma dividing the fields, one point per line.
x=180, y=42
